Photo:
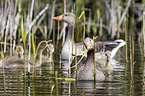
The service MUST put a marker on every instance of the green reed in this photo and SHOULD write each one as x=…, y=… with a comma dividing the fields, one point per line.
x=131, y=42
x=56, y=81
x=126, y=46
x=84, y=18
x=94, y=27
x=51, y=21
x=126, y=36
x=33, y=46
x=53, y=33
x=94, y=38
x=141, y=38
x=76, y=68
x=73, y=33
x=64, y=24
x=131, y=59
x=23, y=32
x=10, y=34
x=76, y=61
x=132, y=30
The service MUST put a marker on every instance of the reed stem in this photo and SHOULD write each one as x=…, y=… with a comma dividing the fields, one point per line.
x=64, y=24
x=29, y=32
x=51, y=21
x=73, y=33
x=94, y=61
x=7, y=28
x=126, y=36
x=131, y=59
x=132, y=31
x=76, y=60
x=10, y=34
x=84, y=28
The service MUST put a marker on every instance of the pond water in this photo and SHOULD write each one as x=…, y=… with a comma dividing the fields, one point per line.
x=44, y=83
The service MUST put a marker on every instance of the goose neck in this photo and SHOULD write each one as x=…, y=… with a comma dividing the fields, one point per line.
x=70, y=31
x=38, y=59
x=90, y=56
x=114, y=51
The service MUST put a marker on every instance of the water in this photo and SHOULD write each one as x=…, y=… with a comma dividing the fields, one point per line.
x=119, y=82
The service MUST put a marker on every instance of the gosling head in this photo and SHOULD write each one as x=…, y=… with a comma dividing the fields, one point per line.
x=19, y=51
x=50, y=48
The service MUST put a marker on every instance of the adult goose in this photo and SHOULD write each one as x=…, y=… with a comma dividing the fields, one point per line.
x=66, y=52
x=69, y=18
x=116, y=46
x=85, y=69
x=19, y=62
x=107, y=49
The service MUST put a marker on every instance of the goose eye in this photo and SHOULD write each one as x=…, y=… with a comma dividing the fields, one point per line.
x=65, y=14
x=90, y=40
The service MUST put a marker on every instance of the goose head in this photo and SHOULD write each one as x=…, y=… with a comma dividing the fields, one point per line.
x=67, y=17
x=107, y=55
x=121, y=42
x=20, y=51
x=89, y=43
x=50, y=48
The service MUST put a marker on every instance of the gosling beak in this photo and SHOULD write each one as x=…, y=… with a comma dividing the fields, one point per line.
x=108, y=57
x=49, y=41
x=58, y=18
x=20, y=55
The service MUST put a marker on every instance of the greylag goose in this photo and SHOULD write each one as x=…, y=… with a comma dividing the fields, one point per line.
x=67, y=47
x=85, y=69
x=100, y=57
x=19, y=62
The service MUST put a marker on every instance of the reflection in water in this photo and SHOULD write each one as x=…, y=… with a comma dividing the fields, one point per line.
x=89, y=87
x=118, y=81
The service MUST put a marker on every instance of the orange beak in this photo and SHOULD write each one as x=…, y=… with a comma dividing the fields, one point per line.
x=58, y=18
x=88, y=45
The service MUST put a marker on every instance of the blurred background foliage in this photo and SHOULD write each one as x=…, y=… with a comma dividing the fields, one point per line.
x=109, y=19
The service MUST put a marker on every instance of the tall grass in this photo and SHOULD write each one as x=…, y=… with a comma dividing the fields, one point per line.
x=126, y=36
x=24, y=34
x=76, y=61
x=108, y=18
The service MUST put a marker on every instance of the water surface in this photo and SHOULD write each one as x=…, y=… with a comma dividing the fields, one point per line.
x=119, y=82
